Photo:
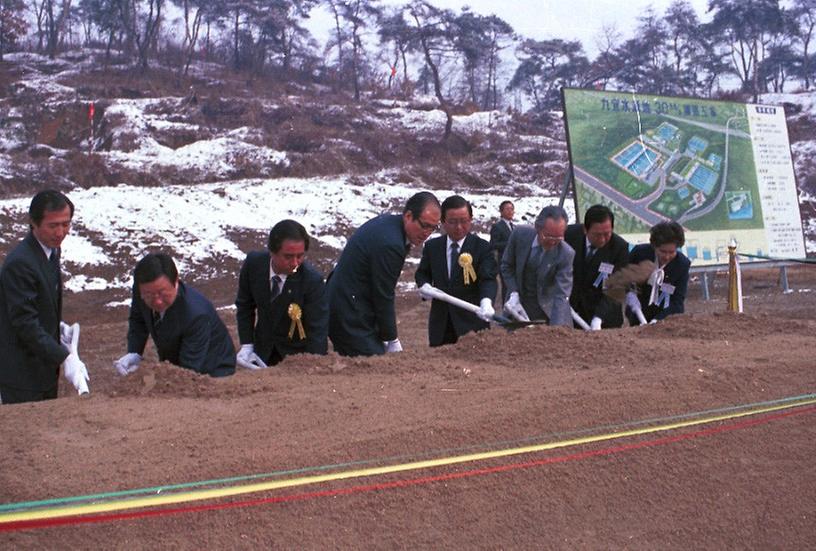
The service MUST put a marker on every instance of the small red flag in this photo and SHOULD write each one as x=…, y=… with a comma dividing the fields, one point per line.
x=90, y=111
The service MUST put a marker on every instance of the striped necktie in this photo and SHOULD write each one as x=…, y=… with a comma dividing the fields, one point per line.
x=276, y=288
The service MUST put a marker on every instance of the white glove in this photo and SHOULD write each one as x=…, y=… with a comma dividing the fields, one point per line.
x=632, y=301
x=633, y=304
x=595, y=324
x=486, y=311
x=127, y=363
x=393, y=346
x=426, y=291
x=76, y=373
x=66, y=335
x=514, y=308
x=247, y=358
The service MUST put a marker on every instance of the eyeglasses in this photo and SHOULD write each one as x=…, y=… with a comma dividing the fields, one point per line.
x=546, y=237
x=427, y=227
x=457, y=222
x=151, y=296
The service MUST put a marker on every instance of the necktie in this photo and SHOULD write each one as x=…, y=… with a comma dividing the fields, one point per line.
x=454, y=259
x=276, y=287
x=53, y=263
x=535, y=257
x=157, y=318
x=590, y=251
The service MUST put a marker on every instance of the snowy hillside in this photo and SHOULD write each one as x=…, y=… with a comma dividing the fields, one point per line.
x=204, y=176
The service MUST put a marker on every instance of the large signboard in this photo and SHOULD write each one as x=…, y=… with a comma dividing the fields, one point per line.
x=721, y=169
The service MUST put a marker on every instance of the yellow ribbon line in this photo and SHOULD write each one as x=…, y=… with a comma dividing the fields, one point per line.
x=200, y=495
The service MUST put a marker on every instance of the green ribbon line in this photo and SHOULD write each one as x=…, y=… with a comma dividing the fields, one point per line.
x=22, y=505
x=799, y=260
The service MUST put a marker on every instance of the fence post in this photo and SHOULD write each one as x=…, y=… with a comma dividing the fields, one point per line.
x=734, y=279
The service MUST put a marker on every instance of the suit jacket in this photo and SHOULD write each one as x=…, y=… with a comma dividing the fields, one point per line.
x=190, y=334
x=675, y=273
x=361, y=287
x=433, y=269
x=266, y=323
x=30, y=313
x=499, y=234
x=554, y=279
x=586, y=299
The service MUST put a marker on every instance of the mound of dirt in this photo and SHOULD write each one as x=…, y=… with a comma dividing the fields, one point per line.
x=492, y=391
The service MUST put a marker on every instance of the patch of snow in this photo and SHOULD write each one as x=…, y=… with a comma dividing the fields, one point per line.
x=6, y=164
x=82, y=251
x=425, y=121
x=481, y=121
x=194, y=222
x=218, y=157
x=806, y=100
x=80, y=282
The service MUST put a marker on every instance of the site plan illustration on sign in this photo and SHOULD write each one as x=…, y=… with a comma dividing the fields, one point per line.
x=721, y=169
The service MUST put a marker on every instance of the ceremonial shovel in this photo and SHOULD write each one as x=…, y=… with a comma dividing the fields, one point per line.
x=432, y=292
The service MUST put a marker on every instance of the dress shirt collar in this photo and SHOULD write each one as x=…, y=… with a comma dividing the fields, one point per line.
x=46, y=250
x=458, y=243
x=273, y=274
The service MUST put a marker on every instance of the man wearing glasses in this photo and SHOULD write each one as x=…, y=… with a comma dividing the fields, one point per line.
x=185, y=327
x=537, y=268
x=461, y=264
x=362, y=316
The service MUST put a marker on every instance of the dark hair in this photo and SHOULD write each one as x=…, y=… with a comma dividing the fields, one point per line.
x=287, y=229
x=597, y=214
x=48, y=200
x=553, y=212
x=503, y=203
x=456, y=202
x=418, y=202
x=153, y=266
x=667, y=232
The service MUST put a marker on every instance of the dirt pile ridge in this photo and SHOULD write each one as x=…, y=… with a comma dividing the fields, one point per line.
x=740, y=486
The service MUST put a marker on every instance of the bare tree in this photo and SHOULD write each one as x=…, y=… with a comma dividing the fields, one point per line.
x=55, y=18
x=146, y=19
x=12, y=23
x=432, y=31
x=804, y=14
x=749, y=27
x=395, y=30
x=195, y=13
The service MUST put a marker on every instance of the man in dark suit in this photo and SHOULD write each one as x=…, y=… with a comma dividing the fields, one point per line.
x=31, y=306
x=599, y=252
x=537, y=267
x=362, y=316
x=185, y=327
x=281, y=306
x=462, y=265
x=500, y=234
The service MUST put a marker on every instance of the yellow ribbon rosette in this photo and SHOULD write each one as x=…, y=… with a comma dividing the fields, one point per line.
x=295, y=314
x=466, y=262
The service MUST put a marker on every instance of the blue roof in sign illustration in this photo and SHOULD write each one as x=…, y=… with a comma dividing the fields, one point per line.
x=704, y=179
x=666, y=132
x=697, y=145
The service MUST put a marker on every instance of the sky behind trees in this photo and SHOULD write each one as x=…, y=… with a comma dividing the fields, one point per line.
x=541, y=19
x=519, y=56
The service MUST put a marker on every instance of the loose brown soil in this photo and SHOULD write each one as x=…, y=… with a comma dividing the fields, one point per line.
x=740, y=485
